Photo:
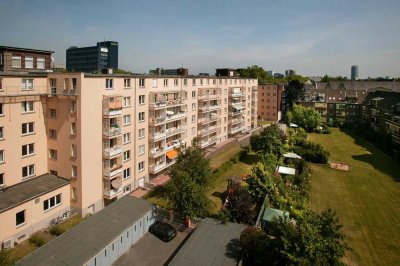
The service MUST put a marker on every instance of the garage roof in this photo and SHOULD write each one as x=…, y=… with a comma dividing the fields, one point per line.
x=212, y=243
x=82, y=242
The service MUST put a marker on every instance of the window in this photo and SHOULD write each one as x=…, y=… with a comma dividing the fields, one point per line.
x=74, y=171
x=154, y=83
x=20, y=218
x=2, y=179
x=225, y=91
x=1, y=109
x=127, y=101
x=109, y=83
x=1, y=133
x=141, y=149
x=28, y=171
x=193, y=106
x=74, y=83
x=193, y=94
x=52, y=202
x=127, y=138
x=66, y=84
x=40, y=63
x=52, y=113
x=141, y=99
x=74, y=193
x=27, y=107
x=214, y=81
x=2, y=156
x=193, y=130
x=53, y=154
x=127, y=83
x=165, y=82
x=16, y=61
x=185, y=82
x=53, y=86
x=127, y=155
x=127, y=189
x=127, y=120
x=141, y=166
x=27, y=84
x=73, y=150
x=141, y=133
x=141, y=82
x=28, y=149
x=201, y=82
x=141, y=116
x=193, y=82
x=52, y=133
x=127, y=173
x=73, y=128
x=193, y=118
x=176, y=82
x=73, y=106
x=28, y=62
x=28, y=128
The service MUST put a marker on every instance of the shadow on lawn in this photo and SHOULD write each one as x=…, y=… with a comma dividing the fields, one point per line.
x=233, y=249
x=378, y=159
x=220, y=195
x=250, y=158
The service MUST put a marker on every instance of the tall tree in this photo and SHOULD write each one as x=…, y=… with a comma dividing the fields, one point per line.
x=192, y=161
x=293, y=91
x=269, y=140
x=240, y=205
x=305, y=117
x=257, y=72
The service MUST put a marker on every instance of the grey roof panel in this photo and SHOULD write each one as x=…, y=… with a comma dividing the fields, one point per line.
x=85, y=240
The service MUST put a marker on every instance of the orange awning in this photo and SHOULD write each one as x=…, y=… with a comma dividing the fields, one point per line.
x=172, y=154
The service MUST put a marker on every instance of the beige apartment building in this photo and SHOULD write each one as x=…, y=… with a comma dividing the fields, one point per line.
x=96, y=137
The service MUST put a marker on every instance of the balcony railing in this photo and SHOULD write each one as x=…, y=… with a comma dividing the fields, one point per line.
x=167, y=103
x=112, y=106
x=156, y=152
x=236, y=121
x=173, y=144
x=234, y=130
x=112, y=131
x=208, y=108
x=236, y=113
x=210, y=130
x=174, y=130
x=236, y=94
x=112, y=151
x=206, y=120
x=157, y=135
x=208, y=142
x=167, y=118
x=155, y=168
x=207, y=97
x=110, y=171
x=112, y=192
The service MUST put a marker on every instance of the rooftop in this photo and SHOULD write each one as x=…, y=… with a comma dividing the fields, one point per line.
x=212, y=243
x=30, y=189
x=82, y=242
x=24, y=49
x=270, y=213
x=286, y=170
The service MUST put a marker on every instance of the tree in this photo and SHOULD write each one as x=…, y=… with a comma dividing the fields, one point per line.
x=254, y=242
x=257, y=72
x=5, y=258
x=305, y=117
x=192, y=161
x=240, y=205
x=270, y=140
x=187, y=197
x=293, y=91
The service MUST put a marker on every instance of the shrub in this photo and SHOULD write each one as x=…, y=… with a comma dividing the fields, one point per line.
x=326, y=129
x=235, y=158
x=57, y=230
x=243, y=154
x=37, y=240
x=224, y=216
x=312, y=152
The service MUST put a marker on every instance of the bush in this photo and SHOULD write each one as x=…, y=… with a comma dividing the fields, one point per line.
x=312, y=152
x=224, y=216
x=5, y=258
x=326, y=129
x=243, y=154
x=57, y=230
x=37, y=240
x=235, y=158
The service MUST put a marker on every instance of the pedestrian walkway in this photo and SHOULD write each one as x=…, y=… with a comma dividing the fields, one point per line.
x=153, y=182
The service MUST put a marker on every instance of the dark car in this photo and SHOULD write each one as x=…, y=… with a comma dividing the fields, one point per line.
x=163, y=231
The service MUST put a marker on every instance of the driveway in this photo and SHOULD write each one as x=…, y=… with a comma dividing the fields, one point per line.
x=150, y=250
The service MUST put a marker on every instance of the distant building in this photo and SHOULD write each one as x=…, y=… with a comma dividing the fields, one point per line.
x=269, y=102
x=290, y=73
x=14, y=59
x=271, y=72
x=226, y=72
x=278, y=75
x=93, y=58
x=171, y=72
x=354, y=72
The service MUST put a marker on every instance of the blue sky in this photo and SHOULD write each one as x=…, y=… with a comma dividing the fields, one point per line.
x=312, y=37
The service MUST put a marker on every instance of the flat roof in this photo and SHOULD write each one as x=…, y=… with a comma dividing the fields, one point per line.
x=24, y=49
x=212, y=243
x=286, y=170
x=85, y=240
x=270, y=213
x=30, y=189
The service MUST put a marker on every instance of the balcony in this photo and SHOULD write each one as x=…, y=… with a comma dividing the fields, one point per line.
x=206, y=143
x=209, y=130
x=155, y=136
x=236, y=94
x=237, y=129
x=174, y=130
x=112, y=106
x=236, y=121
x=112, y=131
x=156, y=152
x=154, y=121
x=113, y=170
x=210, y=119
x=166, y=103
x=209, y=97
x=235, y=113
x=174, y=144
x=159, y=166
x=112, y=187
x=112, y=151
x=209, y=108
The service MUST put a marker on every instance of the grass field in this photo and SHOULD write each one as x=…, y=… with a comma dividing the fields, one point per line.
x=366, y=198
x=224, y=154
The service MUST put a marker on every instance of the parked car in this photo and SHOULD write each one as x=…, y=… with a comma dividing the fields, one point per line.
x=163, y=231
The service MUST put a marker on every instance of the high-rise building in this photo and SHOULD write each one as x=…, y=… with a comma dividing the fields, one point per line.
x=354, y=72
x=75, y=142
x=290, y=73
x=93, y=58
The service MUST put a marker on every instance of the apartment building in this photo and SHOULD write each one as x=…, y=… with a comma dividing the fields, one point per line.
x=15, y=59
x=269, y=102
x=106, y=135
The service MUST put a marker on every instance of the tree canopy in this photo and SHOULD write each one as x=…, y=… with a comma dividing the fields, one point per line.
x=269, y=140
x=305, y=117
x=294, y=90
x=240, y=205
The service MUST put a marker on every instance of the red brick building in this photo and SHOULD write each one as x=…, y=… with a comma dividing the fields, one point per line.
x=269, y=102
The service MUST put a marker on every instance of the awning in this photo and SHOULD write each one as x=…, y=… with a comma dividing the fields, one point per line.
x=172, y=154
x=286, y=170
x=291, y=155
x=293, y=125
x=116, y=183
x=238, y=107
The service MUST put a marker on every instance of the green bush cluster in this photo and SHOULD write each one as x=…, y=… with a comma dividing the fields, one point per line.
x=57, y=230
x=37, y=240
x=312, y=152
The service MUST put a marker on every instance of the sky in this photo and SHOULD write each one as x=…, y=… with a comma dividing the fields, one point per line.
x=313, y=37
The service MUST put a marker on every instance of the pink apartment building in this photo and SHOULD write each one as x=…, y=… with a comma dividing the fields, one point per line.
x=75, y=142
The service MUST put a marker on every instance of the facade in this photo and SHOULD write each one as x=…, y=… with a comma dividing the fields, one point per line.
x=269, y=102
x=354, y=72
x=109, y=134
x=93, y=58
x=290, y=72
x=14, y=59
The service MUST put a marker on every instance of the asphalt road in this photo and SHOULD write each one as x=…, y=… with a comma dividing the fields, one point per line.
x=150, y=250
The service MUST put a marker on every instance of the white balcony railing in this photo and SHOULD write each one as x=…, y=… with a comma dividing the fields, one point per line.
x=112, y=131
x=112, y=151
x=157, y=135
x=173, y=144
x=113, y=170
x=155, y=168
x=156, y=152
x=208, y=142
x=174, y=130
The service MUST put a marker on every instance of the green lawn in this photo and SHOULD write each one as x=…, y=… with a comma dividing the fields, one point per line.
x=224, y=154
x=367, y=198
